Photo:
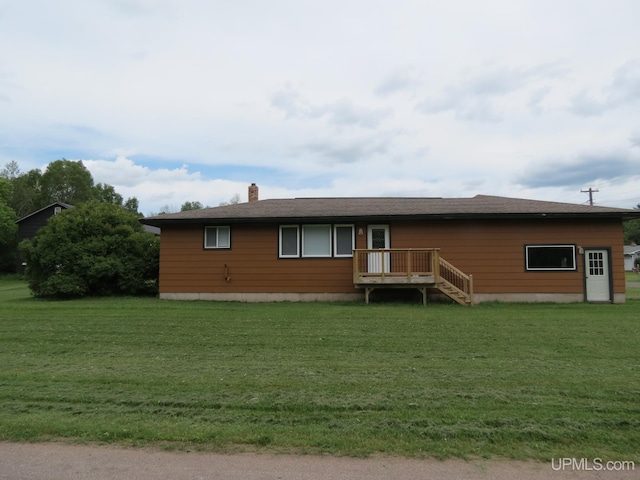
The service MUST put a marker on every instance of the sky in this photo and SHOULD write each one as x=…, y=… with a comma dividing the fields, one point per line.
x=193, y=100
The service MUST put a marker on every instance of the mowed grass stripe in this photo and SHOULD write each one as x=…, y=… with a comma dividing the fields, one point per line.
x=522, y=381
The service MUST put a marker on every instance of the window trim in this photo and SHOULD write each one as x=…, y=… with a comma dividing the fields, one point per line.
x=571, y=268
x=280, y=244
x=303, y=254
x=217, y=229
x=335, y=239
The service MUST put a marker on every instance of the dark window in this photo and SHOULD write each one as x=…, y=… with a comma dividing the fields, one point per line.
x=344, y=240
x=378, y=238
x=551, y=257
x=217, y=237
x=289, y=241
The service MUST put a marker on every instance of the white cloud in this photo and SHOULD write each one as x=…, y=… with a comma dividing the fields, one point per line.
x=399, y=80
x=339, y=113
x=481, y=92
x=156, y=188
x=583, y=169
x=173, y=100
x=623, y=91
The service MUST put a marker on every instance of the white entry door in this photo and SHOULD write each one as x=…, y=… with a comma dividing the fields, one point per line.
x=596, y=269
x=378, y=238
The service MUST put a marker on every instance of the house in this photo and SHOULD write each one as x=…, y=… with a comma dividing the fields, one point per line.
x=29, y=225
x=479, y=249
x=631, y=255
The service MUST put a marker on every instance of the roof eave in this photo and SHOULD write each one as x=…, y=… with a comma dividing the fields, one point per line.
x=159, y=222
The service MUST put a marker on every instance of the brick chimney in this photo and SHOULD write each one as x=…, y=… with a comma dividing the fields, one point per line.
x=253, y=193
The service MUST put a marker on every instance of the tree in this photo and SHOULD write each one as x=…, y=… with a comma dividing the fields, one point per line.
x=8, y=229
x=106, y=194
x=131, y=205
x=10, y=171
x=165, y=210
x=67, y=181
x=190, y=206
x=632, y=230
x=92, y=249
x=234, y=200
x=63, y=181
x=27, y=193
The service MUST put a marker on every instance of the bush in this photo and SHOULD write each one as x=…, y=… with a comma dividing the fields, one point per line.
x=91, y=250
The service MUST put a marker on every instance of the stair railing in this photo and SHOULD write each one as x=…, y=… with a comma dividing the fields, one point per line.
x=456, y=280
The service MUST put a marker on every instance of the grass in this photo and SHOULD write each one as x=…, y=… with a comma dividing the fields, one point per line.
x=521, y=381
x=632, y=291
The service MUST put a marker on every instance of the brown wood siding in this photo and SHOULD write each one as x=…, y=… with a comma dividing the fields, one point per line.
x=493, y=252
x=252, y=263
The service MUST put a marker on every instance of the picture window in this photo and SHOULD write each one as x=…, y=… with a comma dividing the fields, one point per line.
x=550, y=257
x=316, y=241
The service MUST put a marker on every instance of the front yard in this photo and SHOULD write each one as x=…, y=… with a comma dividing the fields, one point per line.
x=522, y=381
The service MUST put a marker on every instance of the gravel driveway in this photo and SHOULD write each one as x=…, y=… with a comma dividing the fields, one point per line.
x=55, y=461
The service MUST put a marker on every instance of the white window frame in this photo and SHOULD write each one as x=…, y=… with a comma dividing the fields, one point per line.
x=316, y=227
x=217, y=232
x=281, y=244
x=335, y=240
x=568, y=268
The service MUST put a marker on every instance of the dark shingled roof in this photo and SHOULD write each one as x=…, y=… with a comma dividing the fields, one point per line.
x=54, y=204
x=385, y=208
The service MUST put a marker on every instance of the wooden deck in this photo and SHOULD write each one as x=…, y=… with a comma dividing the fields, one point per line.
x=419, y=268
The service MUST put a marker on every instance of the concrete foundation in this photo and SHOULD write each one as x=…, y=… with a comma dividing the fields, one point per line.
x=266, y=297
x=359, y=297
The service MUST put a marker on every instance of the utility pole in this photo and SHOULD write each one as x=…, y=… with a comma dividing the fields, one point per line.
x=591, y=191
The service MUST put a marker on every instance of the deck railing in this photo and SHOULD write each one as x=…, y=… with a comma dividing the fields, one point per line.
x=396, y=265
x=411, y=266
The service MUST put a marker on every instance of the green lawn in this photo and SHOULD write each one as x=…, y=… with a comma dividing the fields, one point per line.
x=522, y=381
x=632, y=291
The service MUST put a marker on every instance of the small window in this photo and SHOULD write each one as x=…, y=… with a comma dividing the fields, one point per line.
x=551, y=257
x=57, y=210
x=289, y=241
x=217, y=237
x=316, y=240
x=344, y=240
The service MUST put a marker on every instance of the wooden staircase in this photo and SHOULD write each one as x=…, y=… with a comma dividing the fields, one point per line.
x=419, y=268
x=454, y=283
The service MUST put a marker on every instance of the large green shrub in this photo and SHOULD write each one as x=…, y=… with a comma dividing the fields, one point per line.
x=92, y=249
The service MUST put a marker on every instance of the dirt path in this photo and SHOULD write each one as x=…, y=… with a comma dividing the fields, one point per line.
x=54, y=461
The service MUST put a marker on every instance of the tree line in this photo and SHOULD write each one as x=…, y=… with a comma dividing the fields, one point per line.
x=62, y=181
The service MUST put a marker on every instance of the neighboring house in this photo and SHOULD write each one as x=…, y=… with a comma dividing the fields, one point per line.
x=631, y=254
x=473, y=250
x=29, y=225
x=150, y=229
